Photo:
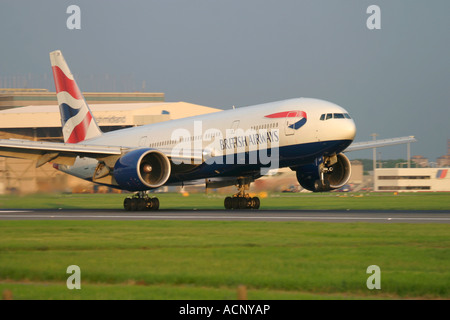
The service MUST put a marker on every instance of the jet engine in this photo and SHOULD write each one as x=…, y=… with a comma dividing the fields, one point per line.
x=142, y=169
x=325, y=174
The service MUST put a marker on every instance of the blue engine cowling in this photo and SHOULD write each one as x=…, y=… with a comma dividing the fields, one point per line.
x=142, y=169
x=335, y=175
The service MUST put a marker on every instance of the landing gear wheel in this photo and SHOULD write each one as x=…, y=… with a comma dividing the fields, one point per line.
x=140, y=202
x=242, y=200
x=133, y=206
x=148, y=204
x=235, y=203
x=127, y=204
x=155, y=202
x=255, y=203
x=141, y=205
x=228, y=203
x=242, y=203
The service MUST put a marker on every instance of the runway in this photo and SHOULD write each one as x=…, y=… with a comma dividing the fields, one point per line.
x=235, y=215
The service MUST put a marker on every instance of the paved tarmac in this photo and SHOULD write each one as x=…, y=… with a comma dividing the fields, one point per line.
x=232, y=215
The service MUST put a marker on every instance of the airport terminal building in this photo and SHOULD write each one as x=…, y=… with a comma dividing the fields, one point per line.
x=412, y=179
x=44, y=123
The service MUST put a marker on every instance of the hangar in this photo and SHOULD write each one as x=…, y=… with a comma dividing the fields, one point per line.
x=16, y=97
x=43, y=122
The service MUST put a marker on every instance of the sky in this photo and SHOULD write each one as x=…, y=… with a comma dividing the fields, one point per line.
x=394, y=81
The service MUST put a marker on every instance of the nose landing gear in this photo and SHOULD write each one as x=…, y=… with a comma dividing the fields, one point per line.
x=242, y=200
x=140, y=202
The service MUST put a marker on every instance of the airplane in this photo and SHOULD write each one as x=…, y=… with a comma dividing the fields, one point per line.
x=225, y=148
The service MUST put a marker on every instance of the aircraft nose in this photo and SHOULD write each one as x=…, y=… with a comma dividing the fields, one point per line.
x=348, y=130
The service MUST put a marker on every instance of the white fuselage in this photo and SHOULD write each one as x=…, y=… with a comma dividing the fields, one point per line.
x=298, y=128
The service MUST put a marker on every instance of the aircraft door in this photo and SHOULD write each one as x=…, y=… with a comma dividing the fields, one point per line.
x=143, y=141
x=235, y=125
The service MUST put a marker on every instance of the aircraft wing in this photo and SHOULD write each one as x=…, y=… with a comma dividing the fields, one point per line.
x=379, y=143
x=56, y=152
x=66, y=153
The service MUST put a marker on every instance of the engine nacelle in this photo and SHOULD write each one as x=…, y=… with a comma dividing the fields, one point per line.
x=325, y=174
x=142, y=169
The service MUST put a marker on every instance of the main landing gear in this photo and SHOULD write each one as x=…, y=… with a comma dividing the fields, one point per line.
x=242, y=200
x=140, y=202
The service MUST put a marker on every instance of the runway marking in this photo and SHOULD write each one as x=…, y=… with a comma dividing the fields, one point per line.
x=230, y=217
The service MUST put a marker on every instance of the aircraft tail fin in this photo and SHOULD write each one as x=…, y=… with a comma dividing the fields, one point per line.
x=77, y=120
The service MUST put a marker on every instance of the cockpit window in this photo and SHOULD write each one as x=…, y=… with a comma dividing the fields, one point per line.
x=335, y=116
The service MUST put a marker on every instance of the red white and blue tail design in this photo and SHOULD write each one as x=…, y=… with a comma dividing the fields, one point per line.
x=78, y=123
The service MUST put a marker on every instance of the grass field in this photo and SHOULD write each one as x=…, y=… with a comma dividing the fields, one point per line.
x=210, y=259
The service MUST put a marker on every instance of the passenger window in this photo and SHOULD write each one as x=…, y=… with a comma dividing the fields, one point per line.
x=322, y=117
x=329, y=116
